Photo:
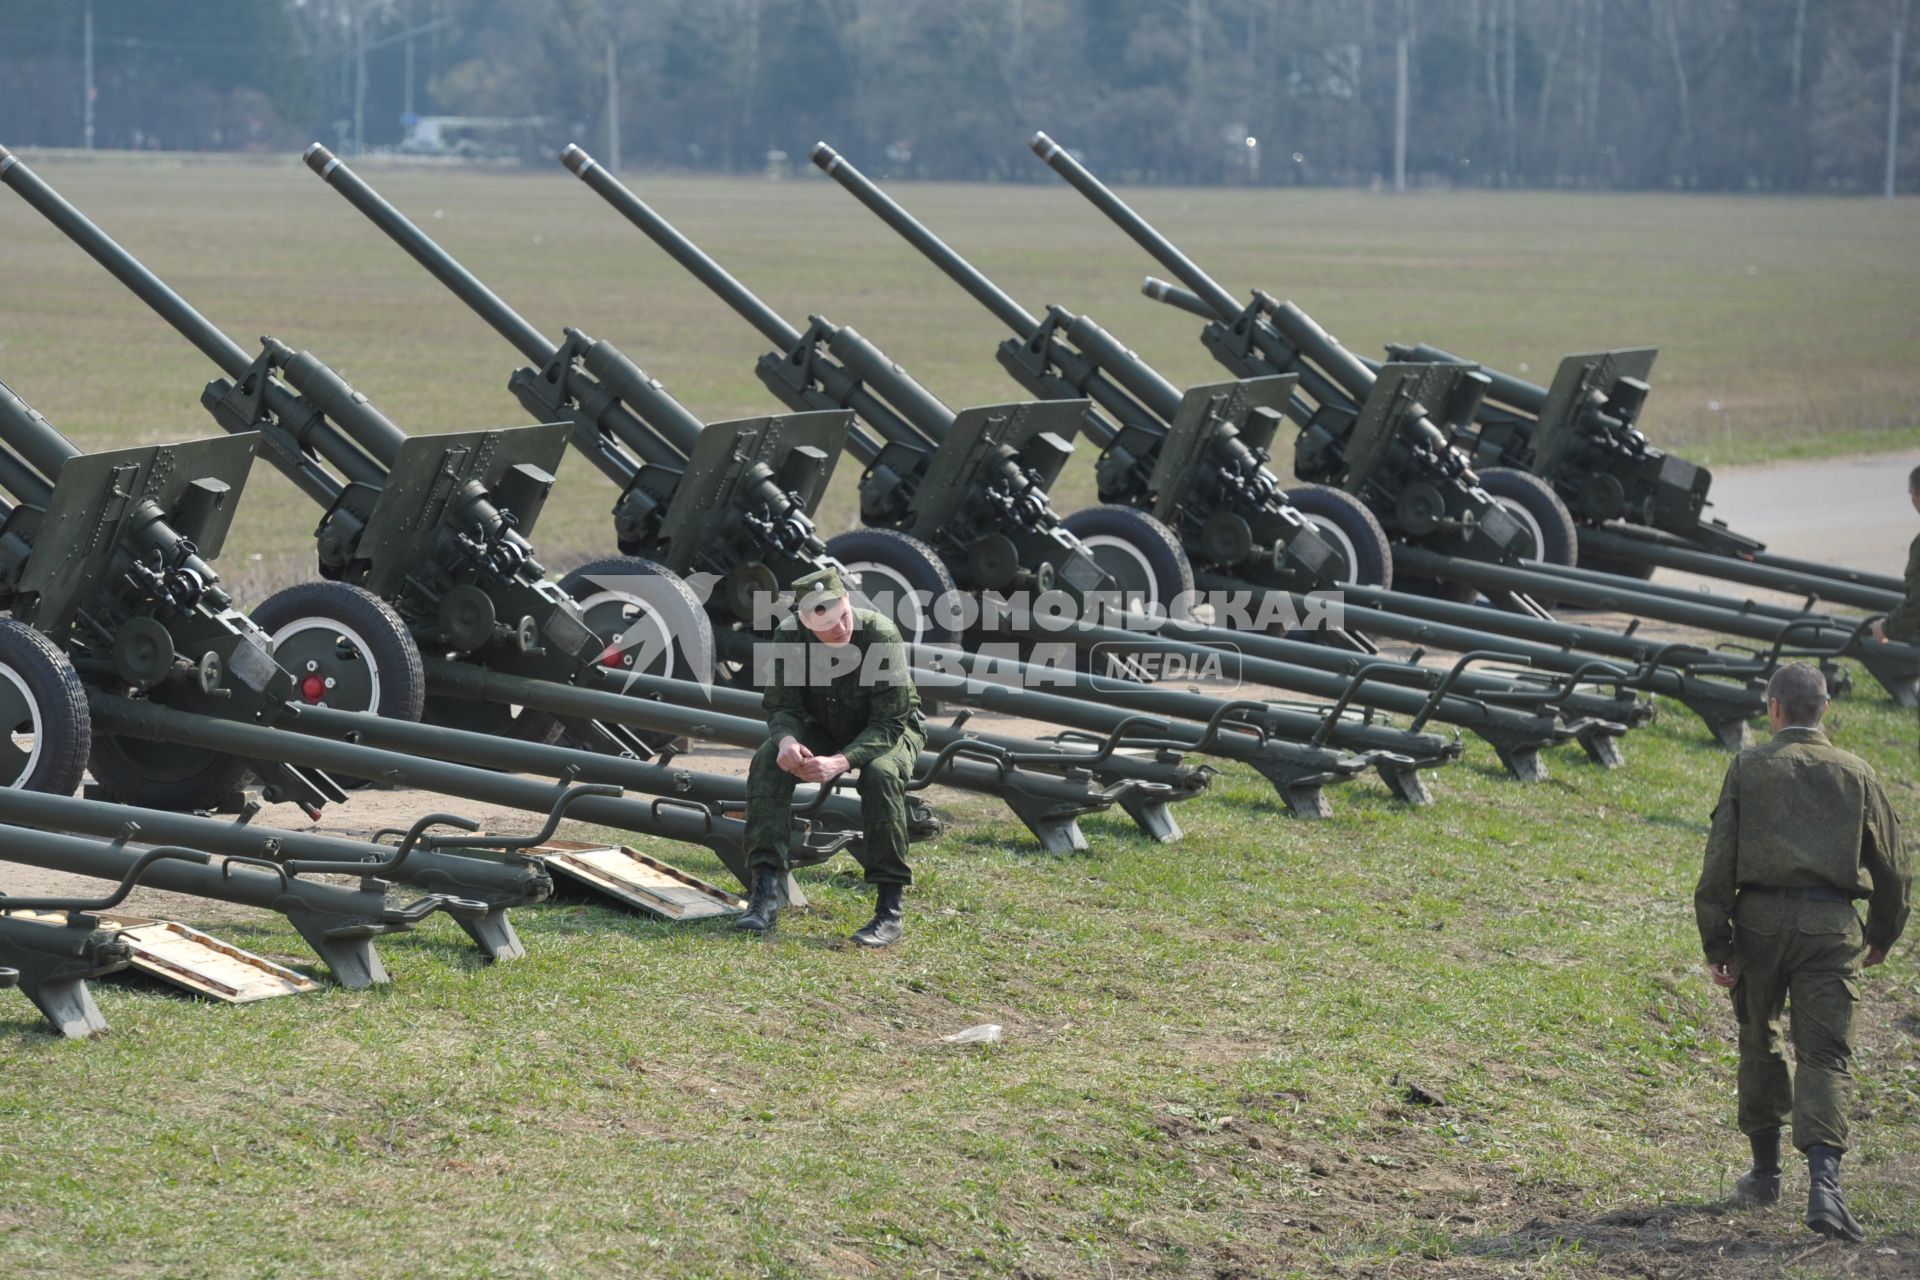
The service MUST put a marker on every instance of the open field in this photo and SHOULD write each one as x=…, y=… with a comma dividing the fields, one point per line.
x=1785, y=326
x=1469, y=1041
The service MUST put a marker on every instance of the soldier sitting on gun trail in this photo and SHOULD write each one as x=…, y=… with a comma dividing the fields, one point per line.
x=840, y=697
x=1904, y=622
x=1802, y=829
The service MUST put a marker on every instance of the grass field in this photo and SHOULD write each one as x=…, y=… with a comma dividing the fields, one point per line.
x=1785, y=326
x=1467, y=1041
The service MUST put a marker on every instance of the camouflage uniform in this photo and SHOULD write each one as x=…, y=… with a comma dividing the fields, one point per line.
x=1802, y=829
x=1904, y=622
x=855, y=700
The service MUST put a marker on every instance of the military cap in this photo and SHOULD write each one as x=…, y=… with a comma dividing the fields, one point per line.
x=818, y=589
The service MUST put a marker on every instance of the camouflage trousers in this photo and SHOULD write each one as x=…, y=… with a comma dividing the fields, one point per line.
x=1808, y=952
x=882, y=784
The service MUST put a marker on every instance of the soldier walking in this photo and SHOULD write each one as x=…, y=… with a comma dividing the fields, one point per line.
x=1801, y=830
x=840, y=697
x=1904, y=622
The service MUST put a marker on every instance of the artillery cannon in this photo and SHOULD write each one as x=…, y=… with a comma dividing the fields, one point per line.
x=72, y=559
x=950, y=500
x=622, y=416
x=1268, y=336
x=438, y=527
x=1639, y=507
x=1195, y=460
x=1381, y=436
x=1216, y=491
x=918, y=409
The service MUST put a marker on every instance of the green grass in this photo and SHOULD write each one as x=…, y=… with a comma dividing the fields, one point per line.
x=1785, y=325
x=1209, y=1044
x=1204, y=1071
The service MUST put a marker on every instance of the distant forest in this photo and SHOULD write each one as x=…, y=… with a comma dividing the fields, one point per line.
x=1718, y=95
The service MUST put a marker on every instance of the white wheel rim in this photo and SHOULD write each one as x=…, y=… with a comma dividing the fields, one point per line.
x=1131, y=550
x=299, y=626
x=916, y=624
x=1532, y=526
x=35, y=734
x=1342, y=543
x=642, y=615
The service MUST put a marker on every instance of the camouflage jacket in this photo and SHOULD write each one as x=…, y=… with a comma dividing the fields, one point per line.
x=860, y=694
x=1798, y=812
x=1904, y=622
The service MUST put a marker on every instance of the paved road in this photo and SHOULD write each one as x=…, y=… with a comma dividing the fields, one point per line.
x=1850, y=511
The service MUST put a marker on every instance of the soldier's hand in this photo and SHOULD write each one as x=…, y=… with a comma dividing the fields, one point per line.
x=1874, y=956
x=824, y=768
x=793, y=757
x=1879, y=630
x=1724, y=974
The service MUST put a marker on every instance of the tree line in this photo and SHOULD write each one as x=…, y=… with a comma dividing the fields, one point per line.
x=1721, y=95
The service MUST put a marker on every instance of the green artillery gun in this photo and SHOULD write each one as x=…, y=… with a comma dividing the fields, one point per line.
x=948, y=499
x=1268, y=336
x=700, y=499
x=438, y=527
x=100, y=559
x=1517, y=735
x=1196, y=460
x=1383, y=435
x=614, y=408
x=1068, y=355
x=1639, y=506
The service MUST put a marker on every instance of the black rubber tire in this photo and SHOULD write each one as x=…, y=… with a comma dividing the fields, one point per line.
x=1144, y=540
x=63, y=738
x=690, y=633
x=910, y=561
x=1534, y=500
x=400, y=686
x=1360, y=540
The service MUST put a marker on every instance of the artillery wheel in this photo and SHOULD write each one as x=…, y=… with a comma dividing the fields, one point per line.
x=894, y=572
x=44, y=708
x=346, y=648
x=1539, y=510
x=1138, y=552
x=1353, y=530
x=650, y=618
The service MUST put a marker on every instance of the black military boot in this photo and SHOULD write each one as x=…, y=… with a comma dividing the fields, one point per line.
x=763, y=902
x=1826, y=1211
x=884, y=929
x=1760, y=1185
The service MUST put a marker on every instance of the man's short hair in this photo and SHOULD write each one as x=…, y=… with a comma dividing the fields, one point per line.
x=1801, y=691
x=1913, y=480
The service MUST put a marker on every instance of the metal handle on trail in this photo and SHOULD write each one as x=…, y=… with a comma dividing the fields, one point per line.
x=159, y=853
x=565, y=801
x=415, y=837
x=1366, y=672
x=1453, y=675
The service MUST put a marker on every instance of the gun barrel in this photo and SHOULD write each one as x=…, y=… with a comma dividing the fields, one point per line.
x=32, y=451
x=148, y=287
x=440, y=264
x=1503, y=388
x=680, y=249
x=1162, y=249
x=938, y=251
x=1174, y=296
